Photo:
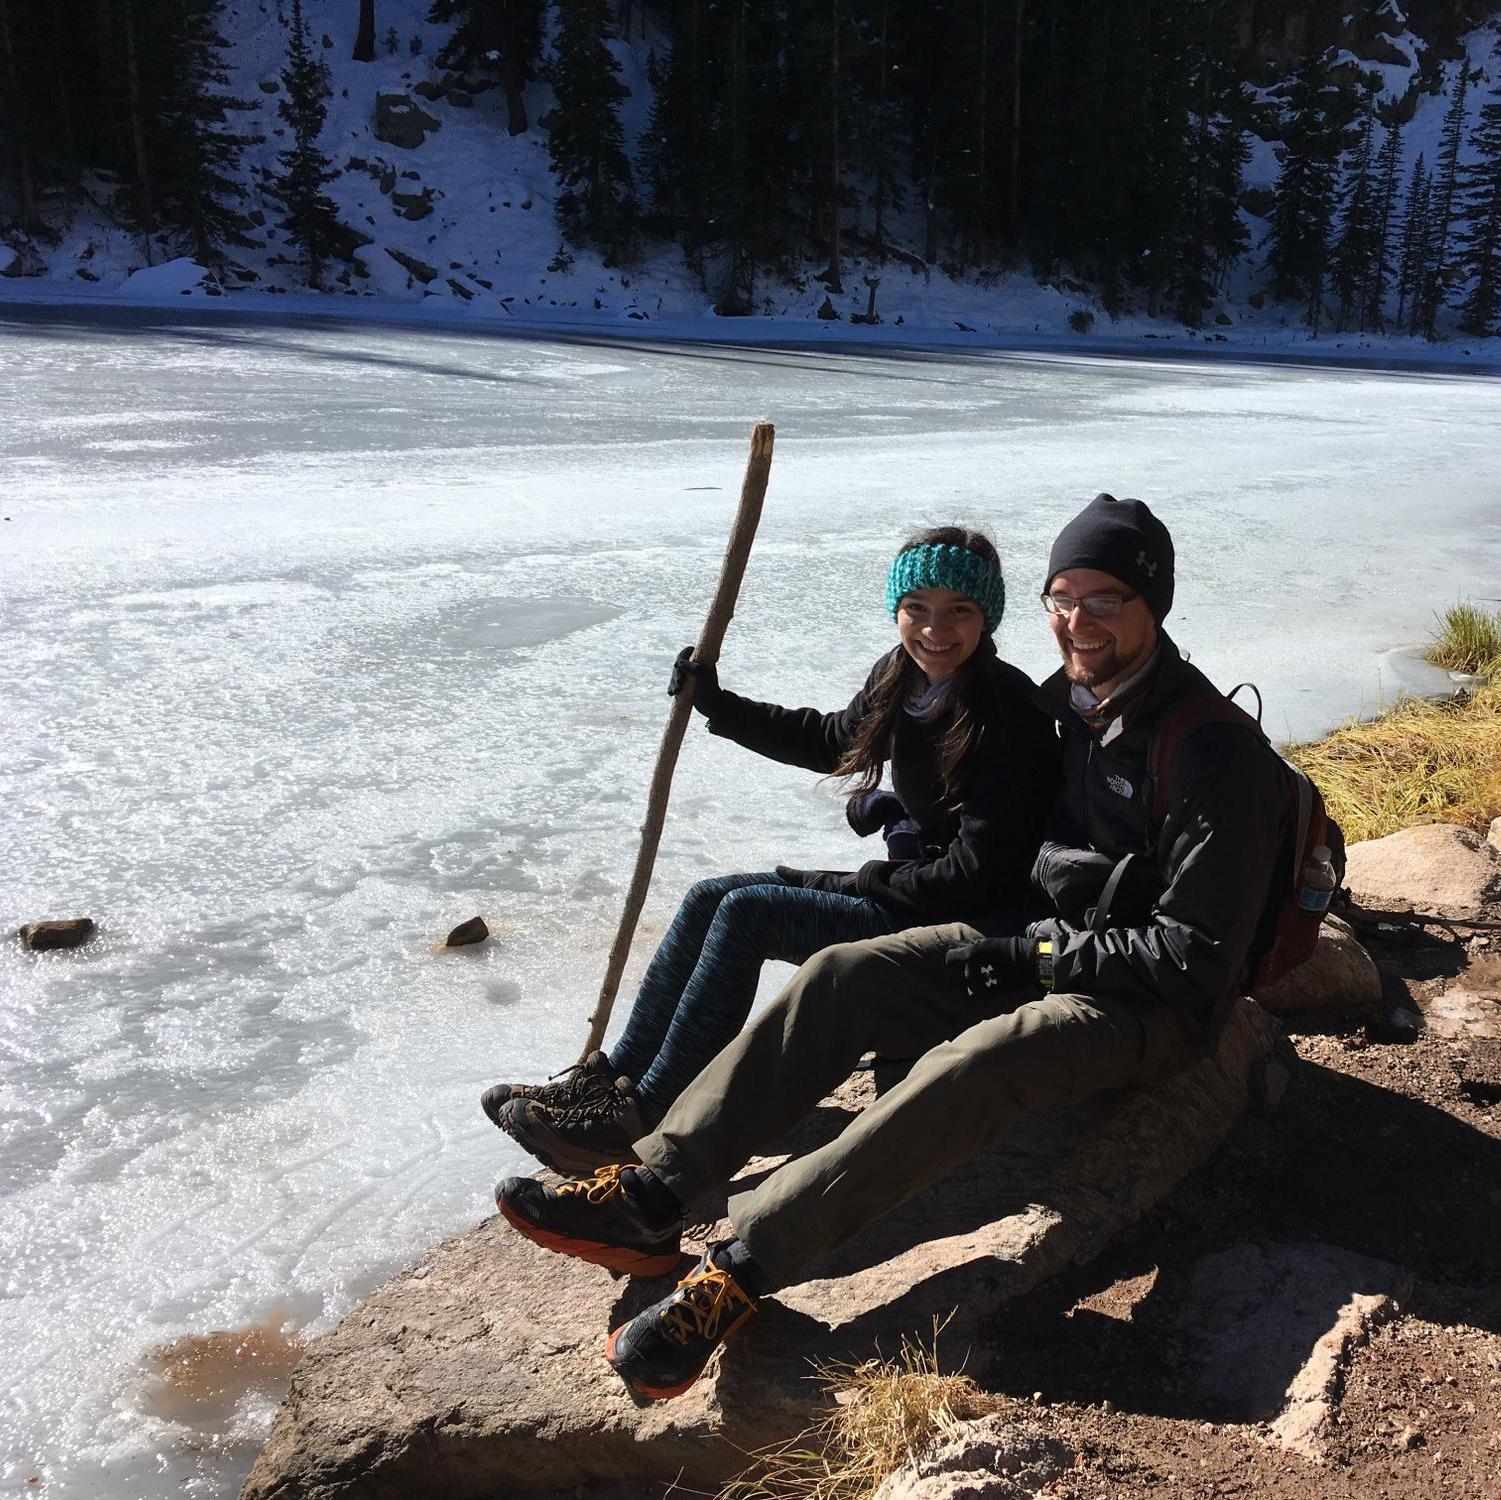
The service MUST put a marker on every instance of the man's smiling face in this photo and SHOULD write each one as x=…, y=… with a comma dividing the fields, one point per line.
x=1100, y=650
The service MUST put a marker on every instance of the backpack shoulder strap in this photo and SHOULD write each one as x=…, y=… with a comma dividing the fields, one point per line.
x=1181, y=719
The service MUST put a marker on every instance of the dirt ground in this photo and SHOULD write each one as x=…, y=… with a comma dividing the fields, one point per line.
x=1386, y=1144
x=1383, y=1146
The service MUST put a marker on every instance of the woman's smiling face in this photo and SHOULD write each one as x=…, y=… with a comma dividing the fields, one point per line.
x=940, y=629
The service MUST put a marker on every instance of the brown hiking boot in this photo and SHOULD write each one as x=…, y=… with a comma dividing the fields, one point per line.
x=599, y=1131
x=564, y=1090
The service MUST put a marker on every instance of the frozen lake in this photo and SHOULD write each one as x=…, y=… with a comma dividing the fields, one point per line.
x=322, y=637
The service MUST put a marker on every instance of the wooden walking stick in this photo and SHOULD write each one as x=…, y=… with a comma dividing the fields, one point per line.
x=721, y=611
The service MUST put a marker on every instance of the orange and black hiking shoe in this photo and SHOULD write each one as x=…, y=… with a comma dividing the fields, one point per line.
x=663, y=1350
x=595, y=1219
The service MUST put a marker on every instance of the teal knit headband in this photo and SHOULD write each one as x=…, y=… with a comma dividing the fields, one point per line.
x=947, y=567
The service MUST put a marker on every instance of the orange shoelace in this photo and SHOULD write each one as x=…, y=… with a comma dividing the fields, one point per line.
x=705, y=1298
x=596, y=1189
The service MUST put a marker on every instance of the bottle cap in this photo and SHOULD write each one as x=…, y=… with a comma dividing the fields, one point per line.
x=1319, y=854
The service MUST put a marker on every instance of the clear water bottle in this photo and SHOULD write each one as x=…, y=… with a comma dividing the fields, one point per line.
x=1318, y=883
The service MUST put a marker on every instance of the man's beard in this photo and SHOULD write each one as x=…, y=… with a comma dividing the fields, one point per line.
x=1103, y=666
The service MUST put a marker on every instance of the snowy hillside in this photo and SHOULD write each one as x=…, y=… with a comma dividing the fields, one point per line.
x=460, y=216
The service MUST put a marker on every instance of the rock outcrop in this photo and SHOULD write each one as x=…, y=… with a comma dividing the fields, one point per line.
x=1433, y=867
x=1340, y=976
x=1266, y=1332
x=401, y=121
x=989, y=1459
x=477, y=1371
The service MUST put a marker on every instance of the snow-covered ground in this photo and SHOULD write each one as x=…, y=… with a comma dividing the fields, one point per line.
x=322, y=637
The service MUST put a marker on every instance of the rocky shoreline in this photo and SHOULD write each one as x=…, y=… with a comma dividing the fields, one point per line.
x=476, y=1371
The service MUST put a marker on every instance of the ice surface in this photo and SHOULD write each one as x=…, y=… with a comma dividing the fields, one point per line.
x=321, y=638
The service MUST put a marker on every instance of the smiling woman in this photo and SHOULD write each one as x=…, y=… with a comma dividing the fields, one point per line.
x=972, y=766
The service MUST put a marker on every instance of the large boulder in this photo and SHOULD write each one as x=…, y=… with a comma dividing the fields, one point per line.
x=478, y=1369
x=1433, y=867
x=1340, y=976
x=21, y=260
x=401, y=121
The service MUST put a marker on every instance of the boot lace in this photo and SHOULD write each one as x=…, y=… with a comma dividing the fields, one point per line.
x=705, y=1299
x=603, y=1185
x=606, y=1101
x=574, y=1084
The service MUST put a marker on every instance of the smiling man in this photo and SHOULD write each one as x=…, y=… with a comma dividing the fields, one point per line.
x=1147, y=913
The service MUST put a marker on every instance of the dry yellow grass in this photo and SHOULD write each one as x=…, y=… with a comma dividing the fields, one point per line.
x=1468, y=640
x=1419, y=762
x=889, y=1411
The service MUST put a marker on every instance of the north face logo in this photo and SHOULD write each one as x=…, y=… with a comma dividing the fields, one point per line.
x=1119, y=785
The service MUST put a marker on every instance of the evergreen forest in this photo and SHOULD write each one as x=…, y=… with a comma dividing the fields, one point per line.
x=1099, y=144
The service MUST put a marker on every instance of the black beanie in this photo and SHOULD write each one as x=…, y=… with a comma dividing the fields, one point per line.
x=1122, y=538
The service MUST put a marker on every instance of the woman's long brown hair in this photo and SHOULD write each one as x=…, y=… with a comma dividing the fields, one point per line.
x=865, y=760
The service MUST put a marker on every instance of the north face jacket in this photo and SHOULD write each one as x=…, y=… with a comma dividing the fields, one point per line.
x=1182, y=921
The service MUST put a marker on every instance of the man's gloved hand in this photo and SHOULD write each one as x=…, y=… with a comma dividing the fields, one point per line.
x=702, y=674
x=997, y=969
x=839, y=882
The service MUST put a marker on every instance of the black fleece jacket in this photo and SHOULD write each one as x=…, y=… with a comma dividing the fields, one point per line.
x=985, y=847
x=1181, y=926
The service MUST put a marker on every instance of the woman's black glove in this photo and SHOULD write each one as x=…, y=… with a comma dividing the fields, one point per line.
x=872, y=810
x=997, y=970
x=836, y=882
x=702, y=674
x=882, y=809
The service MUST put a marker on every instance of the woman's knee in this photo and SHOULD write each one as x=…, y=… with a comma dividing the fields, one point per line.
x=749, y=908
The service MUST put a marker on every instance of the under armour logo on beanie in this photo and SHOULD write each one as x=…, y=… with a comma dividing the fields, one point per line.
x=1122, y=538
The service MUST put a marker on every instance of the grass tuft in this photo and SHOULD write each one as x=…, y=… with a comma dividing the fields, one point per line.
x=1468, y=640
x=888, y=1411
x=1419, y=762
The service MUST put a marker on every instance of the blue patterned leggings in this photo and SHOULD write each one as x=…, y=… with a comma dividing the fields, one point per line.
x=699, y=987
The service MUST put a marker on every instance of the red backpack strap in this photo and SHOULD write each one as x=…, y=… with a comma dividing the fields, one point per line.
x=1180, y=720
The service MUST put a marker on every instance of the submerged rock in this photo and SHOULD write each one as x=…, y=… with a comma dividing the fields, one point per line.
x=472, y=931
x=479, y=1369
x=61, y=932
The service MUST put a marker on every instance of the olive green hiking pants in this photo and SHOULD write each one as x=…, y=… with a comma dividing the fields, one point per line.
x=976, y=1073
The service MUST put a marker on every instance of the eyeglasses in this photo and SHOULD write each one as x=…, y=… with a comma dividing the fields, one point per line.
x=1101, y=606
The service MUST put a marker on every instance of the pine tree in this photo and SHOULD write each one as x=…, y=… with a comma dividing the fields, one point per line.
x=493, y=40
x=1479, y=247
x=17, y=109
x=678, y=146
x=1379, y=270
x=312, y=222
x=876, y=132
x=1298, y=240
x=586, y=143
x=1212, y=234
x=1412, y=253
x=199, y=153
x=1357, y=239
x=1438, y=273
x=364, y=36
